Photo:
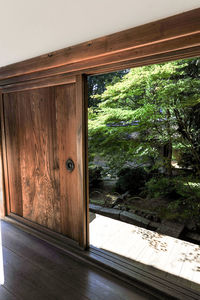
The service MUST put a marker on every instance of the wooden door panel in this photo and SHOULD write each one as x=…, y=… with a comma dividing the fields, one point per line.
x=67, y=148
x=12, y=125
x=43, y=130
x=39, y=175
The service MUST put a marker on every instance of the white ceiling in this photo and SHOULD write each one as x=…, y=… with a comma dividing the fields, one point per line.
x=31, y=28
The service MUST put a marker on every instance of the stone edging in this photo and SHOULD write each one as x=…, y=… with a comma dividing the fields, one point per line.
x=173, y=229
x=124, y=216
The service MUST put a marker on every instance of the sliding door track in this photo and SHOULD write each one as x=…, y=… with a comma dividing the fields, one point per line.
x=143, y=277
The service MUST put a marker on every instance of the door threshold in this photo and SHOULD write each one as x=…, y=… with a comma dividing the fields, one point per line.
x=143, y=277
x=170, y=284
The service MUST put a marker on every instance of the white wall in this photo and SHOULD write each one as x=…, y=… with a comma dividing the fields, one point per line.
x=29, y=28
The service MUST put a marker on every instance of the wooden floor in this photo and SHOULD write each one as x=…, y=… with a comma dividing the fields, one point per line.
x=173, y=256
x=34, y=270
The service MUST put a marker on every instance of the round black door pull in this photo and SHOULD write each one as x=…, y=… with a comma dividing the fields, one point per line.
x=70, y=165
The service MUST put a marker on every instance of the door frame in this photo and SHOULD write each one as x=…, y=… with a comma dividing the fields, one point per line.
x=168, y=39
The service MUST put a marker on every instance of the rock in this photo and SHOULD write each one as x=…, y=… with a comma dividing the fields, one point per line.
x=120, y=199
x=116, y=207
x=173, y=229
x=194, y=237
x=104, y=211
x=153, y=225
x=117, y=202
x=92, y=216
x=95, y=208
x=110, y=212
x=191, y=226
x=125, y=195
x=134, y=219
x=132, y=211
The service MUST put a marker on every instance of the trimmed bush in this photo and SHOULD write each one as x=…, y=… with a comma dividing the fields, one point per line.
x=132, y=180
x=95, y=177
x=161, y=187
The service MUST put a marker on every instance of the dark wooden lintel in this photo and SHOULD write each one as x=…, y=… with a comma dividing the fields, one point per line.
x=160, y=37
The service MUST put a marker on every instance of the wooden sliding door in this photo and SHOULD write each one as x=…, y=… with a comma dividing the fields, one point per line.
x=45, y=149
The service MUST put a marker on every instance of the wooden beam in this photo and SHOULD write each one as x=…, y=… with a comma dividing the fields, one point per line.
x=149, y=60
x=182, y=44
x=39, y=83
x=2, y=194
x=4, y=190
x=175, y=27
x=81, y=142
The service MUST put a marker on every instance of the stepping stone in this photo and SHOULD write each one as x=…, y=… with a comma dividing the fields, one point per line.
x=193, y=236
x=170, y=228
x=95, y=208
x=110, y=212
x=134, y=219
x=153, y=225
x=92, y=216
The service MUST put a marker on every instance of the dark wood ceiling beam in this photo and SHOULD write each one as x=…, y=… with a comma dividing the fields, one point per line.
x=112, y=61
x=135, y=40
x=40, y=83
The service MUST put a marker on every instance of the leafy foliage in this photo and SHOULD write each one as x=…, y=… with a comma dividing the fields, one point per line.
x=95, y=177
x=161, y=187
x=147, y=115
x=145, y=126
x=97, y=84
x=132, y=180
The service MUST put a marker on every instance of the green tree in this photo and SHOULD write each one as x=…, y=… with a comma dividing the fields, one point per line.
x=97, y=84
x=146, y=115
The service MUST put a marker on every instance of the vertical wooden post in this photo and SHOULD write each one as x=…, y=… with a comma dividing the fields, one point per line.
x=2, y=183
x=82, y=160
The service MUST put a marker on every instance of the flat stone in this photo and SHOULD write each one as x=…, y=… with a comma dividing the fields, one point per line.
x=134, y=219
x=95, y=208
x=110, y=212
x=170, y=228
x=116, y=207
x=193, y=236
x=153, y=225
x=92, y=216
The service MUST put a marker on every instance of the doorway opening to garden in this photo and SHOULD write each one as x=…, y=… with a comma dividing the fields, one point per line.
x=144, y=165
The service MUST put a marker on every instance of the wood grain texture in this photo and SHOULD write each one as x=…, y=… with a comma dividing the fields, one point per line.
x=82, y=163
x=148, y=60
x=36, y=270
x=2, y=183
x=66, y=127
x=147, y=278
x=44, y=127
x=13, y=128
x=39, y=161
x=39, y=83
x=38, y=165
x=174, y=27
x=94, y=66
x=5, y=180
x=165, y=48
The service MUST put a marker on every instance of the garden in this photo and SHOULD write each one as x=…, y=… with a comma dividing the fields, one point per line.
x=144, y=142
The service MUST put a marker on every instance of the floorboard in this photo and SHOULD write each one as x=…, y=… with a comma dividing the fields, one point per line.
x=35, y=270
x=6, y=295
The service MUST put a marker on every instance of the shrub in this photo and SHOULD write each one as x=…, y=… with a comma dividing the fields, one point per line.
x=95, y=177
x=161, y=187
x=132, y=180
x=185, y=209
